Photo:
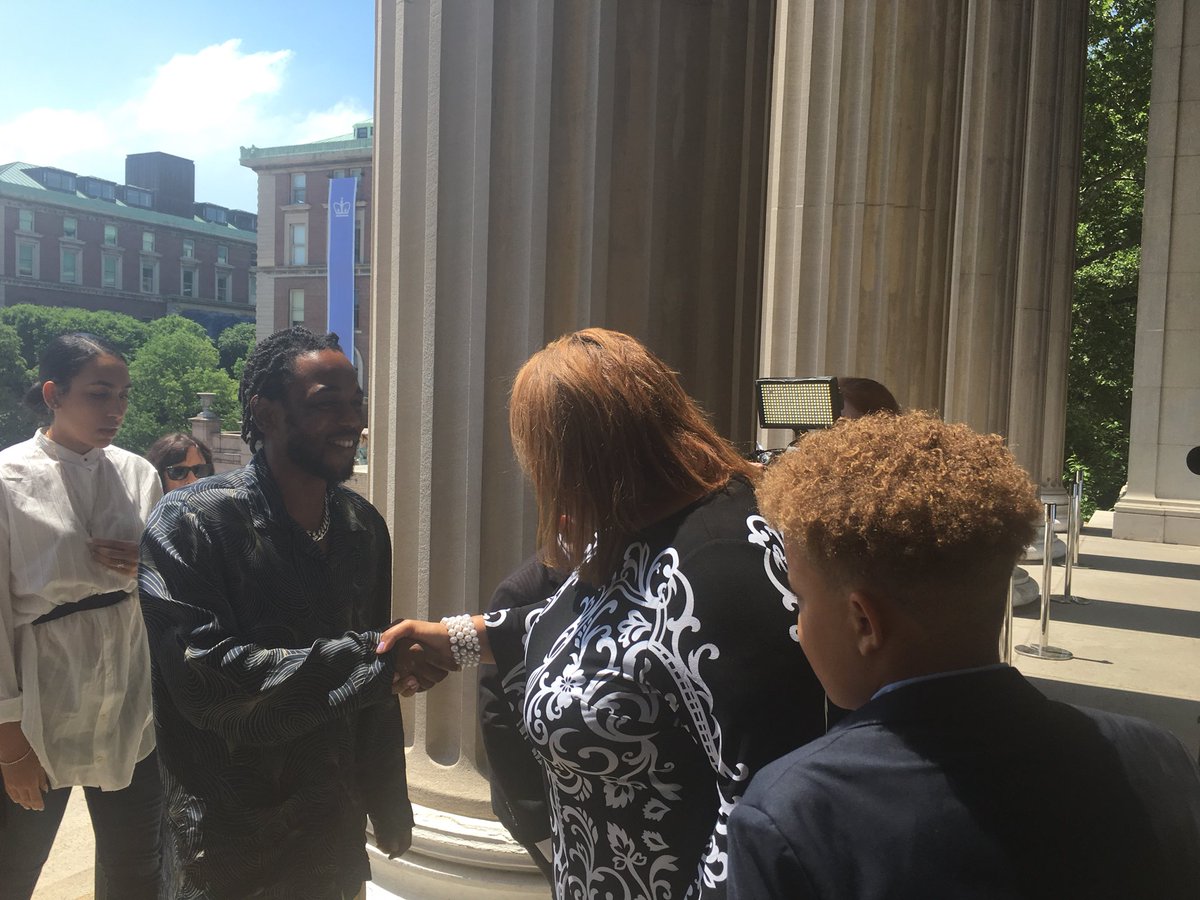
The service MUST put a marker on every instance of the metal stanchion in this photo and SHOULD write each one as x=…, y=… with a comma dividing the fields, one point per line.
x=1073, y=524
x=1042, y=649
x=1006, y=636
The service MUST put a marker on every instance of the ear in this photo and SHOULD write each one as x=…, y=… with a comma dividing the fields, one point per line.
x=51, y=395
x=266, y=413
x=868, y=622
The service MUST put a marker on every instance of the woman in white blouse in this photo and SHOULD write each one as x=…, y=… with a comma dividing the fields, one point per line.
x=74, y=666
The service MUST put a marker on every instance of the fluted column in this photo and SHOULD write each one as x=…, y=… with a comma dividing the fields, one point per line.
x=1162, y=502
x=540, y=166
x=921, y=205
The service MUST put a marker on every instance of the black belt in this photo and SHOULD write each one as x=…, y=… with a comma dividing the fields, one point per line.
x=96, y=601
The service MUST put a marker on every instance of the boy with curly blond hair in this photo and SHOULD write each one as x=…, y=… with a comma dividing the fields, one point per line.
x=953, y=776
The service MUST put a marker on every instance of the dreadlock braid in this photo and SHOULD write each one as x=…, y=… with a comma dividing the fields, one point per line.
x=269, y=370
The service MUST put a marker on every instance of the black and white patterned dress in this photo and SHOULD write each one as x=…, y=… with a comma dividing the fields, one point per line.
x=653, y=700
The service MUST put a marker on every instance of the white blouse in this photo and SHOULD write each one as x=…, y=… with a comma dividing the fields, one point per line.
x=79, y=685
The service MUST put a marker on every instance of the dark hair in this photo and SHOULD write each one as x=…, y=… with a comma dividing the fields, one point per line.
x=269, y=371
x=62, y=359
x=867, y=395
x=171, y=449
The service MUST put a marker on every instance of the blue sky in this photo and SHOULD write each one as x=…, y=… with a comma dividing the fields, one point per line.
x=83, y=82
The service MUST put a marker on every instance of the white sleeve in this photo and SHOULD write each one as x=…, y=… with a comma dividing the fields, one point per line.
x=10, y=689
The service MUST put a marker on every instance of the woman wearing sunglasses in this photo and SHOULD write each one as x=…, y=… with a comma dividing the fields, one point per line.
x=180, y=459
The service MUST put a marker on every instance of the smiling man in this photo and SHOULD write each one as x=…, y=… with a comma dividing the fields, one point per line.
x=264, y=590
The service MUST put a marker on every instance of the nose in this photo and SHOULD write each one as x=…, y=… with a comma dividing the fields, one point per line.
x=189, y=477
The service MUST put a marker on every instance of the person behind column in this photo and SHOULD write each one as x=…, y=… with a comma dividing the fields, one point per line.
x=954, y=776
x=264, y=590
x=74, y=671
x=517, y=786
x=652, y=698
x=864, y=396
x=180, y=459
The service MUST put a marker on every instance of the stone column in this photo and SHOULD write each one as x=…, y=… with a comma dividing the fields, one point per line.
x=539, y=167
x=920, y=207
x=1162, y=502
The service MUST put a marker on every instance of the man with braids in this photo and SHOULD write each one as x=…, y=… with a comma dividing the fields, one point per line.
x=953, y=776
x=264, y=590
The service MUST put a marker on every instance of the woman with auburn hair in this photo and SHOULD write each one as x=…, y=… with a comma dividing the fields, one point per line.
x=651, y=698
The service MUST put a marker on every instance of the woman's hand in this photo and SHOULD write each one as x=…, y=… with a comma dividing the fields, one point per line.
x=26, y=781
x=119, y=556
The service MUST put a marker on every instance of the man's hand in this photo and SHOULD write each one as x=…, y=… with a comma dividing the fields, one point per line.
x=420, y=654
x=393, y=844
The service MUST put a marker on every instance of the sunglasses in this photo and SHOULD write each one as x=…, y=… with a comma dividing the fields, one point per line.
x=178, y=473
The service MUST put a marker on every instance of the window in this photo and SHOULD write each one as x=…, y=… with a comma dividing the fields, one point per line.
x=70, y=227
x=138, y=197
x=362, y=131
x=358, y=233
x=59, y=181
x=296, y=296
x=299, y=187
x=299, y=242
x=222, y=255
x=187, y=285
x=27, y=259
x=338, y=173
x=149, y=276
x=356, y=174
x=147, y=241
x=110, y=235
x=189, y=249
x=110, y=270
x=68, y=272
x=253, y=297
x=223, y=287
x=25, y=220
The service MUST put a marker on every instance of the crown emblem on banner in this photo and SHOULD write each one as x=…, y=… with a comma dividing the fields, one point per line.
x=341, y=208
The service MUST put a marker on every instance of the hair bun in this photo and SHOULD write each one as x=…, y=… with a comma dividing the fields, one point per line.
x=34, y=399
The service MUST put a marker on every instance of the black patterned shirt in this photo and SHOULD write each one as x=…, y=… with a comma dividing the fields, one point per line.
x=277, y=730
x=652, y=700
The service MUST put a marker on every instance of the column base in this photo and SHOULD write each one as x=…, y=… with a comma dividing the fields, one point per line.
x=457, y=858
x=1159, y=521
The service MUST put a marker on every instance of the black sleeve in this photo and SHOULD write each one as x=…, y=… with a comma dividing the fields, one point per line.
x=217, y=680
x=518, y=790
x=762, y=865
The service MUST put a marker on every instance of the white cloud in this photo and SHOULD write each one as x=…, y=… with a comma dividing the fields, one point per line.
x=203, y=106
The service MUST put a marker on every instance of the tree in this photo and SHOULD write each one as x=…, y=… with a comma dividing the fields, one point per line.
x=169, y=370
x=37, y=325
x=235, y=344
x=1108, y=244
x=16, y=423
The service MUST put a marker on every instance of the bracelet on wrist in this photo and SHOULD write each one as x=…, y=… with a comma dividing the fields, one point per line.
x=464, y=640
x=20, y=759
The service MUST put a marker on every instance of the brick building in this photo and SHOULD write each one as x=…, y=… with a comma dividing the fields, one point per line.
x=146, y=249
x=293, y=232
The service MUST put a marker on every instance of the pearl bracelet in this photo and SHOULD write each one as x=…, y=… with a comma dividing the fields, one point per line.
x=464, y=641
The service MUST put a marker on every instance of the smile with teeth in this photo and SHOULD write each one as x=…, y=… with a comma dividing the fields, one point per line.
x=346, y=443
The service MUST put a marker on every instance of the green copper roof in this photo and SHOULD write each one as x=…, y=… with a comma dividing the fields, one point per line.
x=14, y=183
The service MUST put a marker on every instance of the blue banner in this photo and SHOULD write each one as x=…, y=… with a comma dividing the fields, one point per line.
x=341, y=261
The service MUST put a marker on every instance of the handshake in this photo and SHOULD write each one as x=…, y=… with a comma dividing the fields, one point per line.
x=423, y=653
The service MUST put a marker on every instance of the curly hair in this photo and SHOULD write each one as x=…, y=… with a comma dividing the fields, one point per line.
x=269, y=370
x=902, y=502
x=606, y=434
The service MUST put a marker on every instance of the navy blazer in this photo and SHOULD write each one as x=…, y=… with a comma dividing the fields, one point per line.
x=973, y=785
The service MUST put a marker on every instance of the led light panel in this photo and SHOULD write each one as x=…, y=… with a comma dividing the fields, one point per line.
x=798, y=403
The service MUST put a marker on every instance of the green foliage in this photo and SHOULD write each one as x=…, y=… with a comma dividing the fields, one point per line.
x=1108, y=244
x=235, y=344
x=37, y=325
x=169, y=370
x=16, y=424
